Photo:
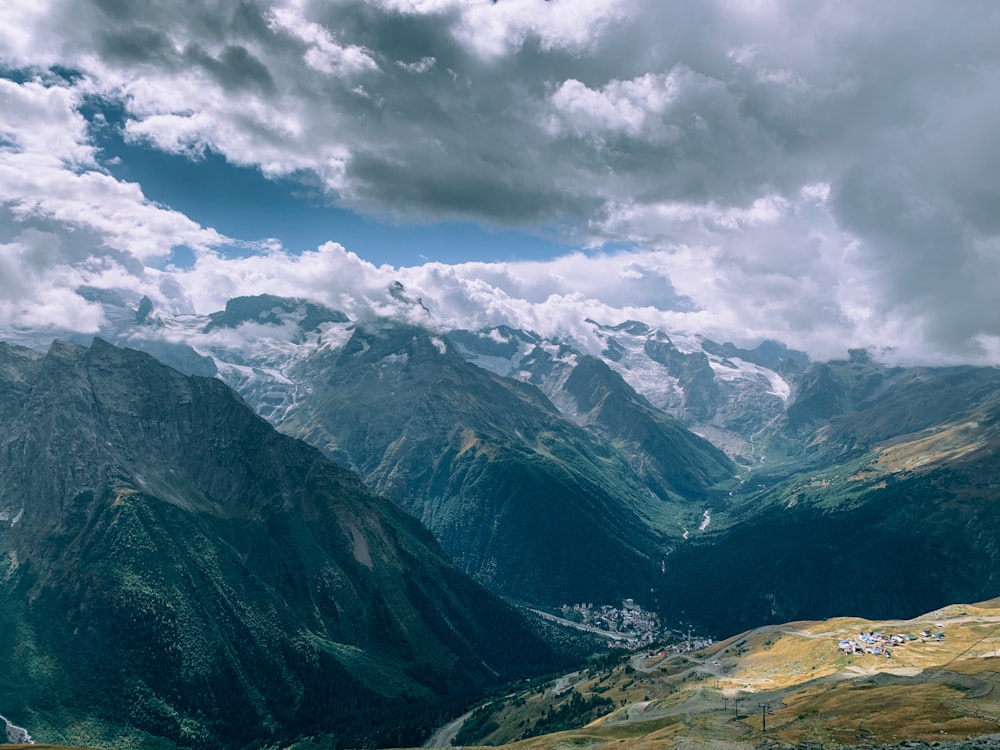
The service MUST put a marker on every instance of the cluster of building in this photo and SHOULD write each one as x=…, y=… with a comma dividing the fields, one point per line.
x=634, y=627
x=880, y=644
x=681, y=643
x=631, y=627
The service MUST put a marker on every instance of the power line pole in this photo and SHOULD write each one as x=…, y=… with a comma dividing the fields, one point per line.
x=764, y=710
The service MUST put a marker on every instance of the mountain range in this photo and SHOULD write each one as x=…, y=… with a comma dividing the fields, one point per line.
x=718, y=484
x=175, y=572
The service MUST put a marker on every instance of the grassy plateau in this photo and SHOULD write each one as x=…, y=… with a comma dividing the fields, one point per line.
x=793, y=678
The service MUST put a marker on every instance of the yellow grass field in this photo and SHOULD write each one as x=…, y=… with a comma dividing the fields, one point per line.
x=792, y=676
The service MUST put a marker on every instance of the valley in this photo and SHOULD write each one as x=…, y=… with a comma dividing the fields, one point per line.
x=177, y=573
x=405, y=477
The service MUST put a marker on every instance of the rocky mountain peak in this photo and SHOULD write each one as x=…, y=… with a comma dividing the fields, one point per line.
x=269, y=309
x=194, y=577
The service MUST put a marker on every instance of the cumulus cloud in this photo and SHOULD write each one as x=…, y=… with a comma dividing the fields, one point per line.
x=48, y=171
x=322, y=53
x=504, y=29
x=823, y=173
x=64, y=221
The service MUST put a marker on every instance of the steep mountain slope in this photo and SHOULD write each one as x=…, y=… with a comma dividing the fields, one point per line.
x=536, y=498
x=669, y=458
x=849, y=466
x=521, y=498
x=720, y=391
x=842, y=407
x=174, y=571
x=886, y=509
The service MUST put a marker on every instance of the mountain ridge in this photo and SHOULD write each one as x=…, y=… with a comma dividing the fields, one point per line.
x=810, y=441
x=487, y=463
x=176, y=571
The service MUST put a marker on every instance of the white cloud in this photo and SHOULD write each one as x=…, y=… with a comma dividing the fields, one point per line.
x=420, y=66
x=36, y=290
x=822, y=173
x=495, y=29
x=48, y=173
x=23, y=37
x=618, y=105
x=64, y=222
x=655, y=223
x=323, y=52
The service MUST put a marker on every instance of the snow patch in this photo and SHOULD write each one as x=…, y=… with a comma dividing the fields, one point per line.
x=569, y=358
x=492, y=363
x=334, y=336
x=779, y=386
x=12, y=565
x=503, y=366
x=734, y=368
x=249, y=373
x=646, y=376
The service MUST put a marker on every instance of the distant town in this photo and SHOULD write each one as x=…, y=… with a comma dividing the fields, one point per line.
x=627, y=626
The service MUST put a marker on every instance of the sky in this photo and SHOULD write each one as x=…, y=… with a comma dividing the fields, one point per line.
x=823, y=173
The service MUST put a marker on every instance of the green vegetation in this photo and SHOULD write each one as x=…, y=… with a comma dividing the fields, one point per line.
x=185, y=576
x=530, y=504
x=570, y=715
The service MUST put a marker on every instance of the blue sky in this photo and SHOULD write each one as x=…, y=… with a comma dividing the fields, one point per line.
x=242, y=204
x=820, y=174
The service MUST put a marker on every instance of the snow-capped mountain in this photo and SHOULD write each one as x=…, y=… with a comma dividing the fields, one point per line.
x=717, y=390
x=551, y=468
x=488, y=463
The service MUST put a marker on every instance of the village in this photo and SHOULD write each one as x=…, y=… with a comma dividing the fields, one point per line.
x=878, y=643
x=630, y=627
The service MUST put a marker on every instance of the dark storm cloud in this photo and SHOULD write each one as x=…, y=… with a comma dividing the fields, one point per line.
x=136, y=46
x=459, y=193
x=234, y=69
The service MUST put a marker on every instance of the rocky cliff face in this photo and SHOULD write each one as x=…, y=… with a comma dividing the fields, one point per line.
x=671, y=460
x=173, y=568
x=559, y=470
x=727, y=394
x=524, y=500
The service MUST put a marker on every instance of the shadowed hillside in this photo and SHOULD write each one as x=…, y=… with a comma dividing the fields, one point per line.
x=174, y=571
